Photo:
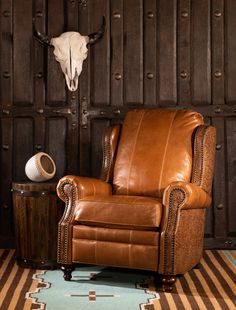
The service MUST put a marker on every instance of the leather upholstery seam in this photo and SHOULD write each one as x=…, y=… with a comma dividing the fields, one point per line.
x=164, y=155
x=94, y=188
x=116, y=242
x=125, y=203
x=102, y=223
x=134, y=145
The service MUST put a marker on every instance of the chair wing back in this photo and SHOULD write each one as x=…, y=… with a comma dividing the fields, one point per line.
x=155, y=149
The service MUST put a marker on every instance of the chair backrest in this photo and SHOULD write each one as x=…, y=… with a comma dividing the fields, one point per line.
x=155, y=149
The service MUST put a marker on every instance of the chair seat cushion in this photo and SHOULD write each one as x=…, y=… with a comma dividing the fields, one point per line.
x=121, y=211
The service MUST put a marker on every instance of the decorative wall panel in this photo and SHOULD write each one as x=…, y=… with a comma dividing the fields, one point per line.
x=164, y=53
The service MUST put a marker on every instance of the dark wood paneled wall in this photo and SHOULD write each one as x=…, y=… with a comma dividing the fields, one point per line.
x=165, y=53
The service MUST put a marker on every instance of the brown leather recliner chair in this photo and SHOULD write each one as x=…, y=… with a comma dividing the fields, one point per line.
x=147, y=211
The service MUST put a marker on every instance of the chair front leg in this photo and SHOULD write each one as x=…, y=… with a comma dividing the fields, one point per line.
x=168, y=283
x=67, y=270
x=165, y=282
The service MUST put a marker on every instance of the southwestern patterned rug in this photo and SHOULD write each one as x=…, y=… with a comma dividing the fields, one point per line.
x=212, y=286
x=94, y=287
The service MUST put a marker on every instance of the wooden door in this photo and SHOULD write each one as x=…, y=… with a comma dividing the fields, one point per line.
x=164, y=53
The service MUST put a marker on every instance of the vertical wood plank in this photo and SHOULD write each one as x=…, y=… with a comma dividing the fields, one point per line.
x=71, y=144
x=117, y=53
x=220, y=183
x=23, y=58
x=231, y=173
x=23, y=141
x=6, y=97
x=56, y=86
x=183, y=74
x=72, y=15
x=133, y=52
x=6, y=80
x=230, y=46
x=200, y=53
x=56, y=143
x=6, y=176
x=217, y=16
x=99, y=54
x=150, y=47
x=39, y=142
x=167, y=52
x=85, y=152
x=84, y=80
x=40, y=74
x=84, y=99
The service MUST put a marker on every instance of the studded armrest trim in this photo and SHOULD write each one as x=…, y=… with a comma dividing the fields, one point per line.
x=70, y=189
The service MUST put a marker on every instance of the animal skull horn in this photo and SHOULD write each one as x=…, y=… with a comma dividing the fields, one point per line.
x=70, y=50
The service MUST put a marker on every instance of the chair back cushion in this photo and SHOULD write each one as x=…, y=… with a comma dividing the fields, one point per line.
x=155, y=149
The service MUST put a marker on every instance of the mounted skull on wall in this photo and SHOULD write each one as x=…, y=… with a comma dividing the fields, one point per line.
x=70, y=50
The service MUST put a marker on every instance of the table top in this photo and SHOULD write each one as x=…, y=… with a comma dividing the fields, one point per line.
x=43, y=188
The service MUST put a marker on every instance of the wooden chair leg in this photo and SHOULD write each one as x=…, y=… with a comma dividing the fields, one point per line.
x=164, y=282
x=67, y=270
x=168, y=282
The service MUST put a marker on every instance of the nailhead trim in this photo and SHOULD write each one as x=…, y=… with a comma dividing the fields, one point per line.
x=106, y=156
x=198, y=179
x=172, y=216
x=64, y=243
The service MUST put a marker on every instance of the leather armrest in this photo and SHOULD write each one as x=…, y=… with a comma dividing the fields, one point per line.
x=182, y=226
x=69, y=189
x=75, y=187
x=188, y=195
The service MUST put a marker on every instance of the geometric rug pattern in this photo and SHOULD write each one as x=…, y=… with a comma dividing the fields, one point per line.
x=212, y=286
x=93, y=287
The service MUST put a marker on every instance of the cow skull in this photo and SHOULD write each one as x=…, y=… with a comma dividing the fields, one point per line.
x=70, y=50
